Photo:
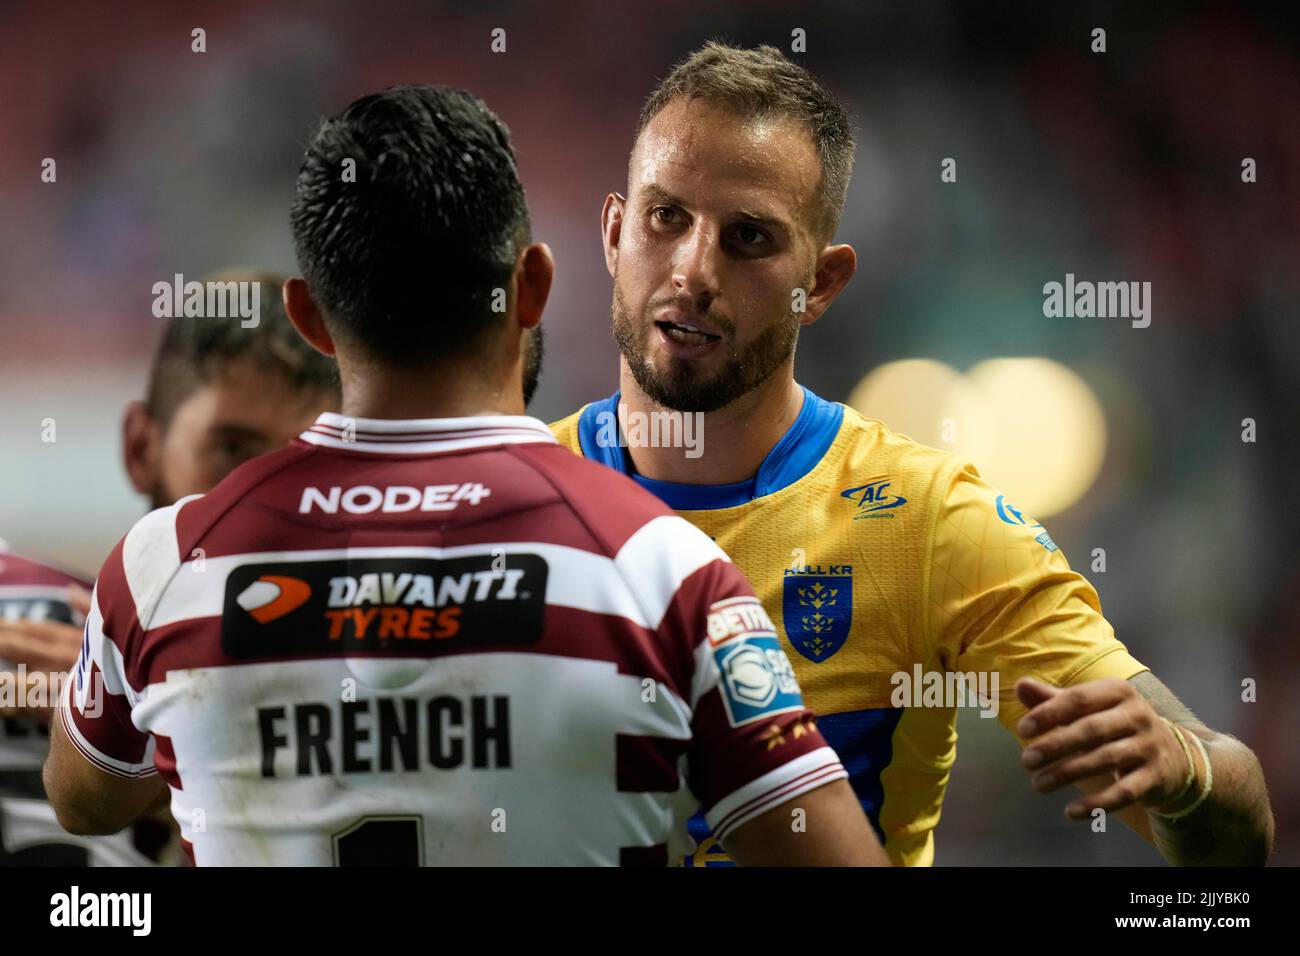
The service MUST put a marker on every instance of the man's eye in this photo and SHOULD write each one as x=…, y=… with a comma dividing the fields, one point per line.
x=750, y=235
x=664, y=215
x=232, y=450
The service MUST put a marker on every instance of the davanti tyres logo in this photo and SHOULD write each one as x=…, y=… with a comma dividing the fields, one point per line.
x=272, y=596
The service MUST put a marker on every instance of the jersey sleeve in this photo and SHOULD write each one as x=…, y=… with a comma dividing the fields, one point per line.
x=97, y=706
x=753, y=743
x=1005, y=602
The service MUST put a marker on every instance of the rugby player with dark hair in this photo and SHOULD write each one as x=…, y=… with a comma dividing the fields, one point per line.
x=425, y=633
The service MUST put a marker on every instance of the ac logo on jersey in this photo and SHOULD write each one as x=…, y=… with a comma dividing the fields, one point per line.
x=818, y=609
x=874, y=499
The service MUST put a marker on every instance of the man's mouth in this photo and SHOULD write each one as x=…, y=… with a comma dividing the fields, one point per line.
x=683, y=333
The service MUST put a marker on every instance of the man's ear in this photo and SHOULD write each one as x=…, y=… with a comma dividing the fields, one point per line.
x=835, y=267
x=306, y=316
x=534, y=272
x=611, y=228
x=141, y=448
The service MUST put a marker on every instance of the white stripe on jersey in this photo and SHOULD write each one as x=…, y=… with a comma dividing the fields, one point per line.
x=422, y=436
x=423, y=448
x=97, y=649
x=653, y=578
x=149, y=556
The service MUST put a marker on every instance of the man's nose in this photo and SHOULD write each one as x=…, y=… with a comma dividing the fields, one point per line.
x=696, y=271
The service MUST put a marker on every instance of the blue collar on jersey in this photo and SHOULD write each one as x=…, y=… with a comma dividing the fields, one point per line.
x=798, y=451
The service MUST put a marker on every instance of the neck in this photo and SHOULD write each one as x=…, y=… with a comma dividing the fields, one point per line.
x=734, y=440
x=372, y=391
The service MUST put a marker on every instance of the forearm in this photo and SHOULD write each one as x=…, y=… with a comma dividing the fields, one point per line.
x=1234, y=825
x=1140, y=754
x=835, y=832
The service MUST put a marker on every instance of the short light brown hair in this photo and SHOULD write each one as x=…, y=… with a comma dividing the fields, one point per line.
x=193, y=351
x=762, y=83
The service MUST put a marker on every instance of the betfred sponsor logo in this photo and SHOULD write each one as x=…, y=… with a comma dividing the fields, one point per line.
x=737, y=617
x=391, y=499
x=402, y=606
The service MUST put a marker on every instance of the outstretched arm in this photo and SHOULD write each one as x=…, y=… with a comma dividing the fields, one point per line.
x=1107, y=736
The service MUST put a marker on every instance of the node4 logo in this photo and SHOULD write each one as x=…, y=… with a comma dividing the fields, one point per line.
x=874, y=499
x=1013, y=515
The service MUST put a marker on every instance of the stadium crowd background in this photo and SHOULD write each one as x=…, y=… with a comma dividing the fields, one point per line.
x=1115, y=166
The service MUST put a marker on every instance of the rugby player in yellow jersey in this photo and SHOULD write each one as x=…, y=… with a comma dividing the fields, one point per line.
x=874, y=555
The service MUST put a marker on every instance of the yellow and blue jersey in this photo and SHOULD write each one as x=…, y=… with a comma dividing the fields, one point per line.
x=877, y=557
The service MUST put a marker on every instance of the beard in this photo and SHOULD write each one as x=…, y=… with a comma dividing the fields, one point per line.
x=160, y=497
x=533, y=362
x=681, y=384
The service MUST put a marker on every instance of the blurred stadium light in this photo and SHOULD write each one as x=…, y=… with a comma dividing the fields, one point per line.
x=1033, y=427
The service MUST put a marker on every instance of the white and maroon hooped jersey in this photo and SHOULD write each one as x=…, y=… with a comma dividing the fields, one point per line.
x=443, y=642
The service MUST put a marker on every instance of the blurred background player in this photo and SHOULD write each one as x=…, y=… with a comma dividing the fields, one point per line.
x=875, y=555
x=218, y=394
x=41, y=612
x=425, y=632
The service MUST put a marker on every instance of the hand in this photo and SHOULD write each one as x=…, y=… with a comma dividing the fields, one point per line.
x=1100, y=728
x=45, y=645
x=46, y=648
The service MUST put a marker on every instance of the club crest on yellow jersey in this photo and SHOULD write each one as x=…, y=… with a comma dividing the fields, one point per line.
x=818, y=609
